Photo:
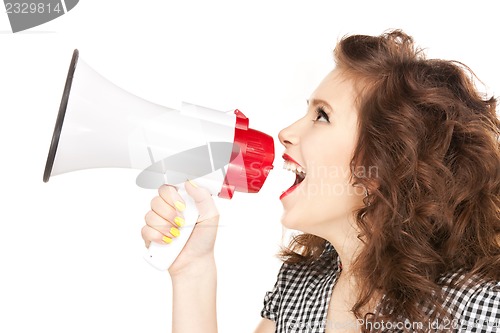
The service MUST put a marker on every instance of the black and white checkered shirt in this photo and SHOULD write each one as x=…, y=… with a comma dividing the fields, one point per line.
x=300, y=298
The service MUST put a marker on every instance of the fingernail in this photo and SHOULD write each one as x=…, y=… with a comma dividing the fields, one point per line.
x=179, y=221
x=175, y=232
x=192, y=183
x=167, y=240
x=180, y=206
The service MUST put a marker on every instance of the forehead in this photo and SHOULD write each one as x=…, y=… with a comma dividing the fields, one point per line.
x=337, y=90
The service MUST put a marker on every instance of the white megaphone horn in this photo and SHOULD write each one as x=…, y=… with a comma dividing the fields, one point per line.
x=100, y=125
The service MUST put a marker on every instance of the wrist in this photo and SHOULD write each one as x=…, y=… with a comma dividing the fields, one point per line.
x=194, y=295
x=199, y=268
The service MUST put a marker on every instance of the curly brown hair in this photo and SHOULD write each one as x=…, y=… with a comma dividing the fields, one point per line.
x=433, y=206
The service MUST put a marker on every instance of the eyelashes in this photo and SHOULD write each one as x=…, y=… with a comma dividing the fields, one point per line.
x=321, y=115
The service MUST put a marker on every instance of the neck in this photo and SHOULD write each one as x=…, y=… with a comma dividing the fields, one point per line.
x=345, y=241
x=348, y=246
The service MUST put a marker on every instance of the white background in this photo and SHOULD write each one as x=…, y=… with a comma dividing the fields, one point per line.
x=71, y=250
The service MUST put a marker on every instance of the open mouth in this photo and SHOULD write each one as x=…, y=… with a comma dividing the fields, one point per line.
x=300, y=174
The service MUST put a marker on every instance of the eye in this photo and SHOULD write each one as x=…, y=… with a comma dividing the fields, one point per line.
x=321, y=115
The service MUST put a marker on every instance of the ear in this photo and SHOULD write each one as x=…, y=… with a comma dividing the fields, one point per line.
x=366, y=176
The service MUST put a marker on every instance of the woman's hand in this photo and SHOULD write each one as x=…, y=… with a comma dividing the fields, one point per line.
x=165, y=219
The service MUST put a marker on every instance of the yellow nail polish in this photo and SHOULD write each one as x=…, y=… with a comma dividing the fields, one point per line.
x=180, y=206
x=179, y=221
x=192, y=183
x=167, y=240
x=175, y=232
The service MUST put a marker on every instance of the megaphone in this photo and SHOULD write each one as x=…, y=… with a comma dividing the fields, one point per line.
x=100, y=125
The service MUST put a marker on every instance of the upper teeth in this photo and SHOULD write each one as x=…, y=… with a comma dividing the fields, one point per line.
x=290, y=166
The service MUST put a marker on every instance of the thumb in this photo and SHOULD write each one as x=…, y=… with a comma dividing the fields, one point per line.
x=203, y=200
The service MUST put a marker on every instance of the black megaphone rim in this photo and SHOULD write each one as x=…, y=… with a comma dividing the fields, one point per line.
x=60, y=117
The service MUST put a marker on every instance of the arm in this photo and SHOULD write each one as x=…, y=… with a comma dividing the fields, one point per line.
x=194, y=299
x=266, y=326
x=193, y=273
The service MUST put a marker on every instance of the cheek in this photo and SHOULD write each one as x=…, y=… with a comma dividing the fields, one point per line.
x=330, y=166
x=328, y=158
x=326, y=195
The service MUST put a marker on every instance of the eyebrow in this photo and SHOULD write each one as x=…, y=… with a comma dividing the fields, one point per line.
x=316, y=101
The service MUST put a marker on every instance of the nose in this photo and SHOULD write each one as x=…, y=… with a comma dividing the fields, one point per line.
x=289, y=135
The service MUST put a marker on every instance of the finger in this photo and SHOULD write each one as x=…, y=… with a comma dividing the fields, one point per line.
x=167, y=212
x=170, y=195
x=152, y=235
x=161, y=225
x=203, y=200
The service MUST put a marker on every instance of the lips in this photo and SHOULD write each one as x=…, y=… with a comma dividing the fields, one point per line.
x=300, y=173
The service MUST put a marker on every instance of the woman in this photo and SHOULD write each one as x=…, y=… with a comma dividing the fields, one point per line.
x=398, y=170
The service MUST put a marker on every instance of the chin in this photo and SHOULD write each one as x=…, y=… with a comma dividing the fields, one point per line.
x=295, y=220
x=291, y=221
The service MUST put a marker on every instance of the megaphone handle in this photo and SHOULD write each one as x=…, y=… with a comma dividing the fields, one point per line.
x=161, y=256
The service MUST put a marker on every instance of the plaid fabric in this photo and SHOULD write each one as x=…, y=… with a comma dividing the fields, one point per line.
x=299, y=301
